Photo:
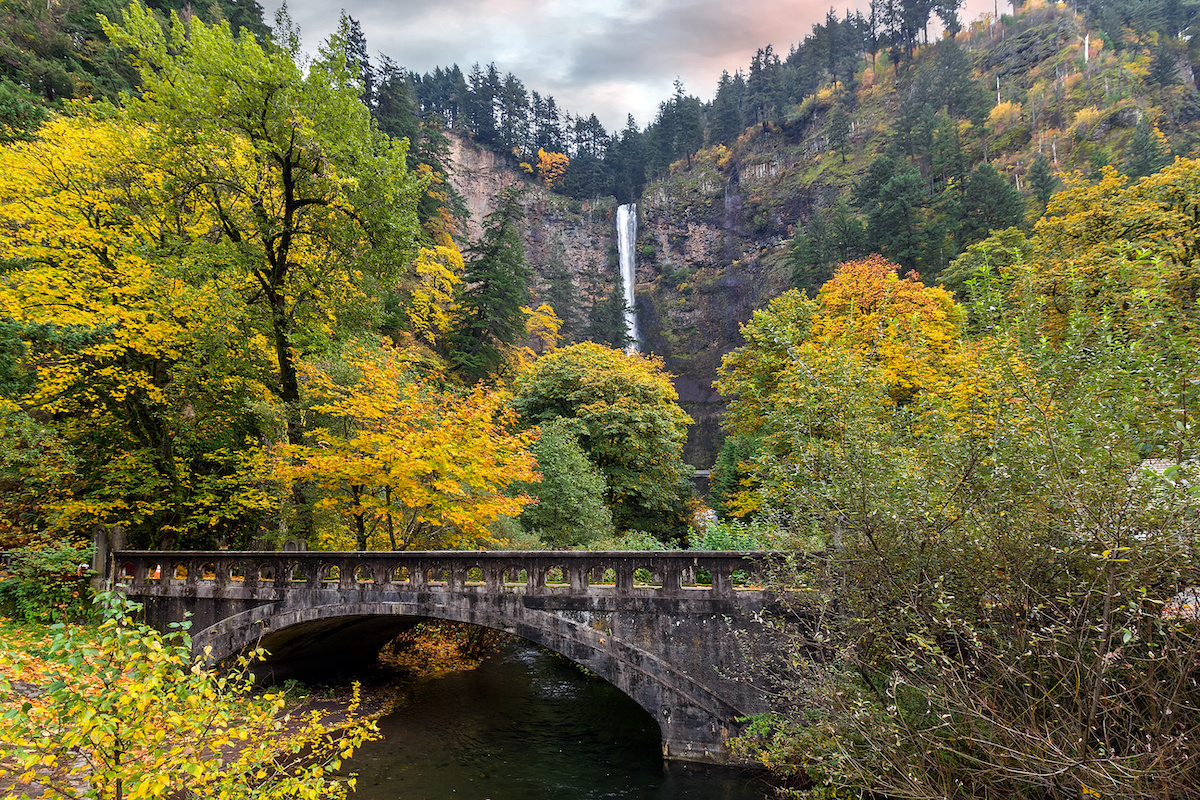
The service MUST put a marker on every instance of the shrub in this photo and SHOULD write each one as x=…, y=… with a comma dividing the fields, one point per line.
x=49, y=583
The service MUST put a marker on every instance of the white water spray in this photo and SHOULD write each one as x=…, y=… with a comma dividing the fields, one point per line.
x=626, y=238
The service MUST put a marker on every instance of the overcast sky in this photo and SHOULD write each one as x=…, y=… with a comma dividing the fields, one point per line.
x=608, y=57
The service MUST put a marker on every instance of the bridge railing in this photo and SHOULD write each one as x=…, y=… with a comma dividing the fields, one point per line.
x=523, y=572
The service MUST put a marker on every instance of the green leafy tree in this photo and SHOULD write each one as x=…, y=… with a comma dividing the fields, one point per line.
x=625, y=411
x=132, y=713
x=1012, y=587
x=316, y=208
x=570, y=509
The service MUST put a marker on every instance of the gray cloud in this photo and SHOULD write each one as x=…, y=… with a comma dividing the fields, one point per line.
x=608, y=57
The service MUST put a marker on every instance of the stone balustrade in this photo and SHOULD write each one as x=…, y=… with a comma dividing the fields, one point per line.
x=621, y=573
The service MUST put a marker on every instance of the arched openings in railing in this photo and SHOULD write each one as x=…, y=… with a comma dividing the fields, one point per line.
x=554, y=576
x=647, y=576
x=601, y=576
x=364, y=574
x=331, y=573
x=399, y=574
x=513, y=576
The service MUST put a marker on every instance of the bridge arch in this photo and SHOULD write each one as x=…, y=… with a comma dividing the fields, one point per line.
x=668, y=694
x=669, y=643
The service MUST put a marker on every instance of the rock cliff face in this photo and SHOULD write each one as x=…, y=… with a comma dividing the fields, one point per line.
x=708, y=257
x=704, y=262
x=575, y=233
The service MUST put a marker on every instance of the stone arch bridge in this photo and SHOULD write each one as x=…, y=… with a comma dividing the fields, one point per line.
x=670, y=629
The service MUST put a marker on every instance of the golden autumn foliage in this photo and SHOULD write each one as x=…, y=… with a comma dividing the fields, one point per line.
x=412, y=464
x=439, y=272
x=872, y=351
x=552, y=167
x=542, y=325
x=906, y=328
x=140, y=349
x=124, y=711
x=1124, y=250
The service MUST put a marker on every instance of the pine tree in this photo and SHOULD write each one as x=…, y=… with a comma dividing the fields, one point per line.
x=989, y=203
x=495, y=287
x=560, y=294
x=1146, y=152
x=1041, y=179
x=839, y=130
x=895, y=222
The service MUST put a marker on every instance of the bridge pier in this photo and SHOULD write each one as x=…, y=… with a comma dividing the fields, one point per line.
x=639, y=620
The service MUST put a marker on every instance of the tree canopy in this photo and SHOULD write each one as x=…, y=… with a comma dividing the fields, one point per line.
x=624, y=410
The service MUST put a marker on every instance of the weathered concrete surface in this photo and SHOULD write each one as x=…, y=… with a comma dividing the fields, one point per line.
x=669, y=643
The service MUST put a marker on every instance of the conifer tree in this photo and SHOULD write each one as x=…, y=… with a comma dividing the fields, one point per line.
x=989, y=203
x=495, y=287
x=1041, y=179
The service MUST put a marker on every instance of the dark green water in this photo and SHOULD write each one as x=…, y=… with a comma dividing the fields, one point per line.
x=526, y=726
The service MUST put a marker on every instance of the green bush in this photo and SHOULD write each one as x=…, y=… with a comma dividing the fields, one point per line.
x=46, y=584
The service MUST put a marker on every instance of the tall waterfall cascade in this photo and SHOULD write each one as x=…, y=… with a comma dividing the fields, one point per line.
x=626, y=239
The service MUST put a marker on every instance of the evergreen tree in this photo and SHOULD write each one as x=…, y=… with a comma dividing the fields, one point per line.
x=560, y=294
x=989, y=203
x=807, y=257
x=866, y=191
x=395, y=109
x=895, y=221
x=495, y=287
x=603, y=304
x=847, y=238
x=514, y=116
x=353, y=43
x=946, y=160
x=629, y=169
x=1041, y=179
x=1146, y=152
x=839, y=130
x=689, y=123
x=725, y=121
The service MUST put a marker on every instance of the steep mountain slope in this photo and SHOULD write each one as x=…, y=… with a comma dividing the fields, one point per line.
x=731, y=227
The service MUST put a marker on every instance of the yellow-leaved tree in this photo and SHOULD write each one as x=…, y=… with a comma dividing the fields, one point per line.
x=312, y=208
x=130, y=713
x=875, y=359
x=409, y=461
x=133, y=345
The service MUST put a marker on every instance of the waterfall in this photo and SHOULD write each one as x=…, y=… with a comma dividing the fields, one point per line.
x=626, y=239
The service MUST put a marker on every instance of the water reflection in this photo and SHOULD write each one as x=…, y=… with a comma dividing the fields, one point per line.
x=527, y=725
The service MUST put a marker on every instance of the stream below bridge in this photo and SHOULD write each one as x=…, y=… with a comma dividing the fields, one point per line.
x=527, y=725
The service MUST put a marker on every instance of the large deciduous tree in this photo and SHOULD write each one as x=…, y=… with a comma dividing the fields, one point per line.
x=624, y=410
x=313, y=207
x=406, y=460
x=119, y=331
